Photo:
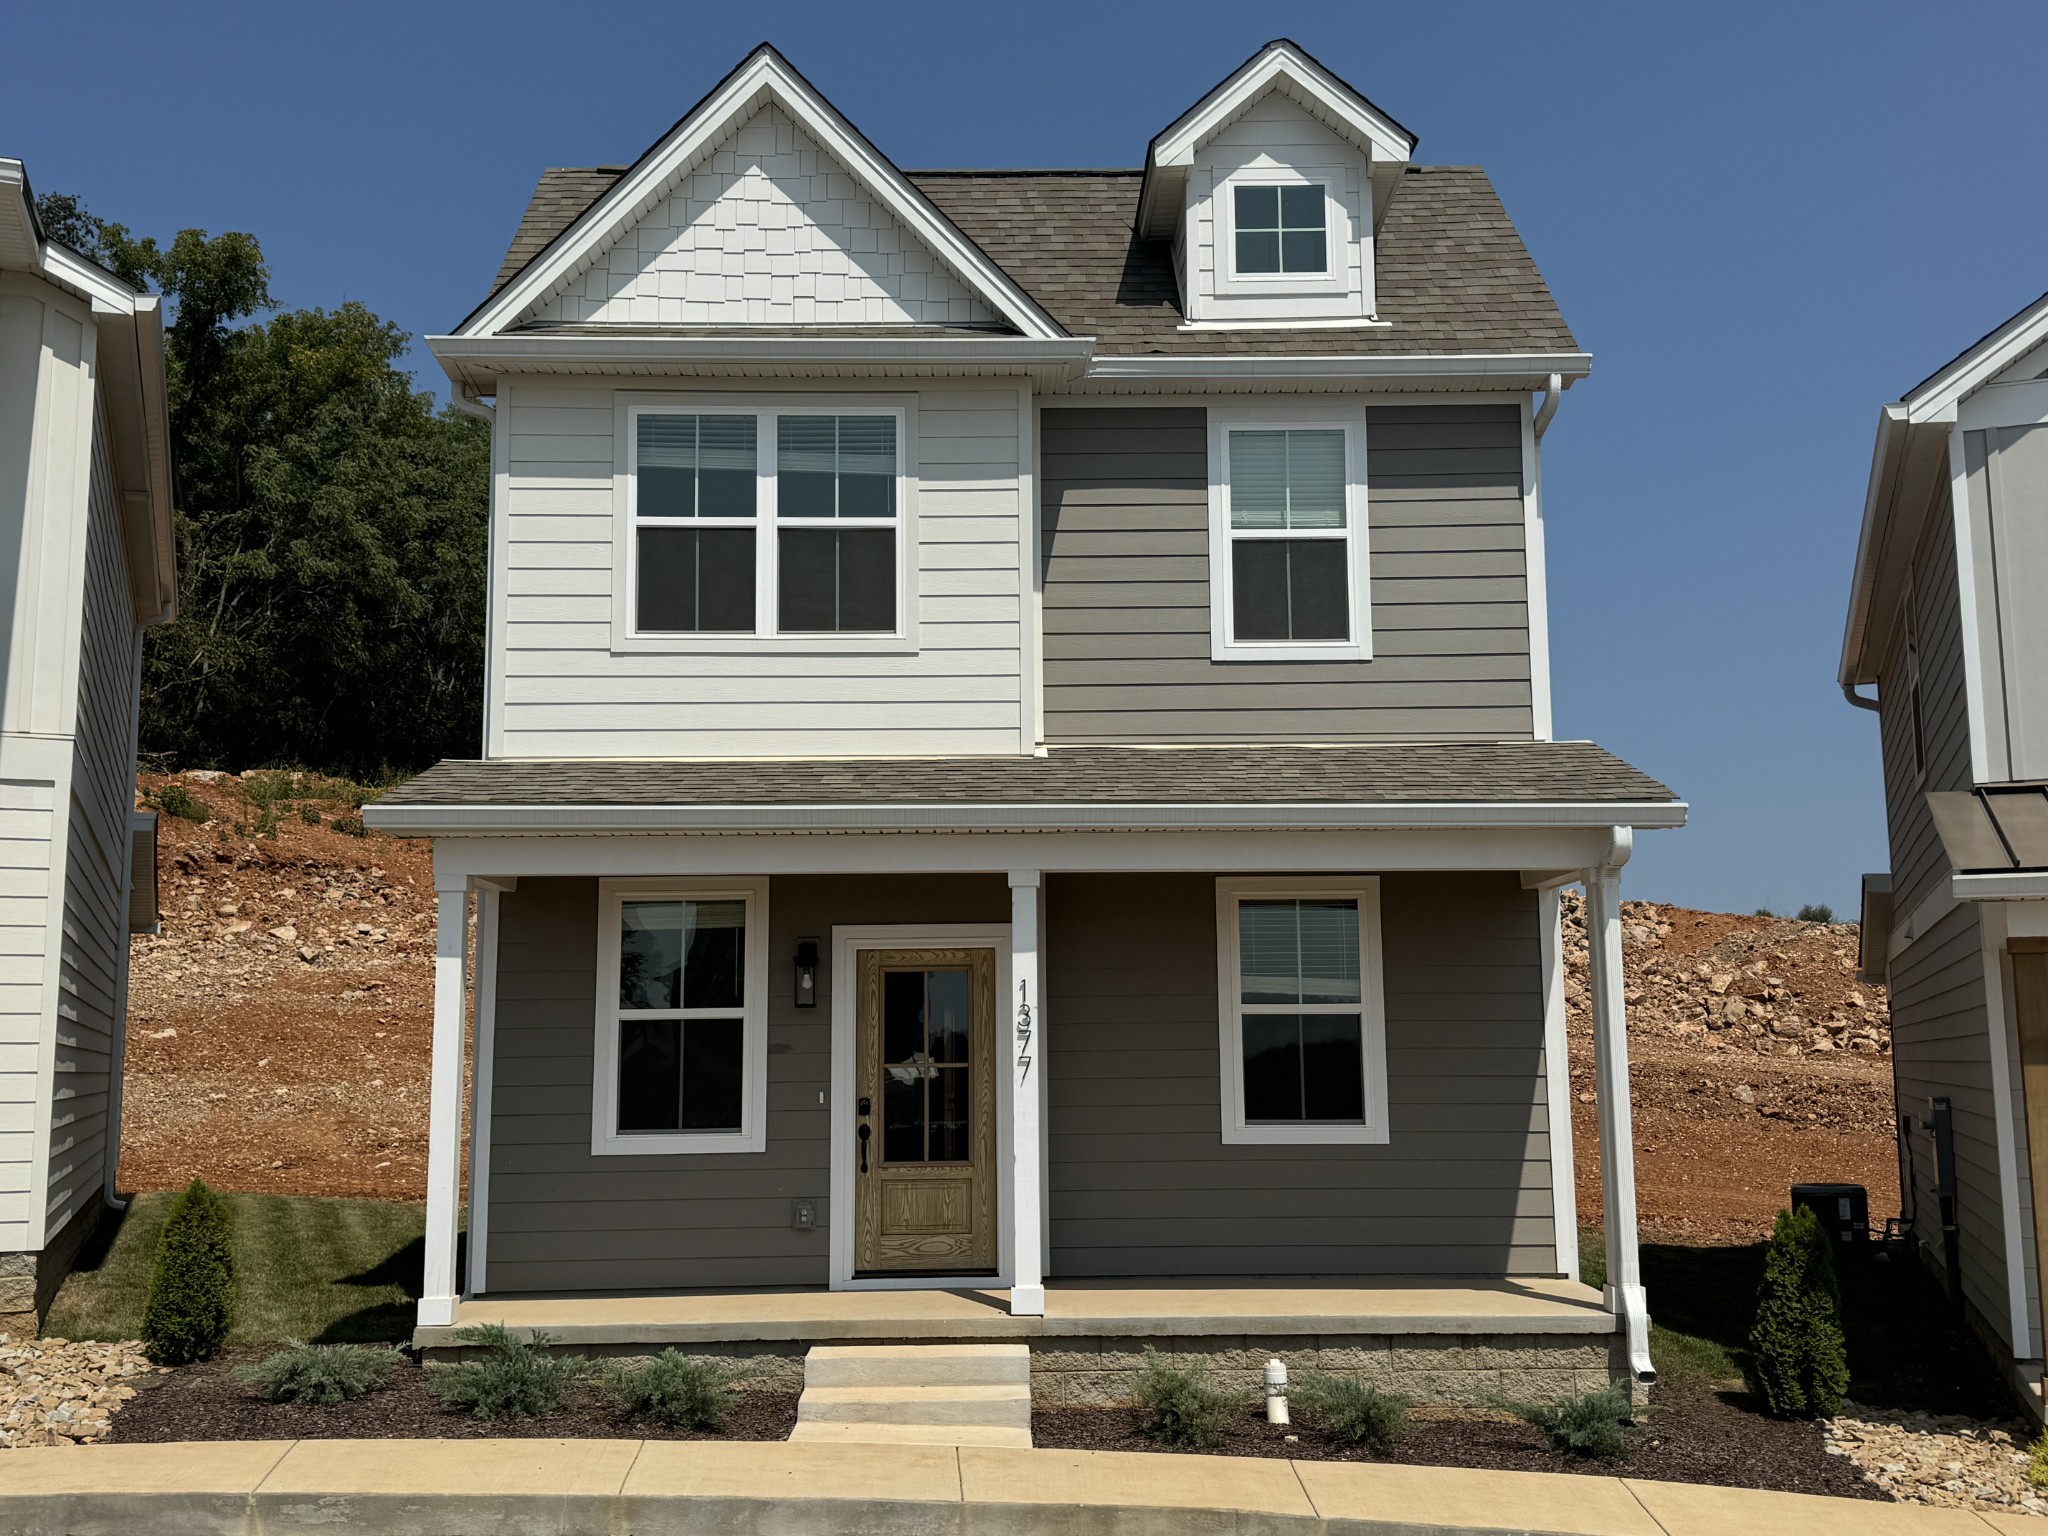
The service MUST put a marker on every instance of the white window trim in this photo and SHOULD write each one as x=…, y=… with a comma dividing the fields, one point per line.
x=1338, y=236
x=1288, y=416
x=765, y=638
x=752, y=1136
x=1365, y=890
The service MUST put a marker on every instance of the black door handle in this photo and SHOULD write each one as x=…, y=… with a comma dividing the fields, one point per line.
x=865, y=1133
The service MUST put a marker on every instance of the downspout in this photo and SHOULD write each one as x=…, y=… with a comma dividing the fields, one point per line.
x=1548, y=408
x=1849, y=692
x=117, y=1066
x=469, y=407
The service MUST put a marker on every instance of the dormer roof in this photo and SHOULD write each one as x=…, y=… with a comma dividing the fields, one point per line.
x=1289, y=68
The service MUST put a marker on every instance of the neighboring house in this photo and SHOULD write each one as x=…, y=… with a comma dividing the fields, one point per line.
x=86, y=564
x=1948, y=617
x=1018, y=755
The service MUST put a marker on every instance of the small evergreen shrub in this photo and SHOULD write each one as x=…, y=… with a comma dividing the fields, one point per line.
x=1798, y=1363
x=1592, y=1424
x=1352, y=1412
x=672, y=1388
x=2037, y=1461
x=309, y=816
x=1181, y=1409
x=512, y=1378
x=1817, y=912
x=190, y=1302
x=319, y=1373
x=176, y=800
x=351, y=825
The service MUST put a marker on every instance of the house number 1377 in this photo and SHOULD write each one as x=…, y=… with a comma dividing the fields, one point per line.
x=1023, y=1031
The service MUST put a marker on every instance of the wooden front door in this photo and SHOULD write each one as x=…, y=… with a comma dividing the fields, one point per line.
x=925, y=1112
x=2030, y=1016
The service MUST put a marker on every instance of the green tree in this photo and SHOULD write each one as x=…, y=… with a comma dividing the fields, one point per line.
x=1798, y=1361
x=331, y=525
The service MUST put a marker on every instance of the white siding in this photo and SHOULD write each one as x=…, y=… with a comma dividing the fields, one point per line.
x=1276, y=133
x=769, y=229
x=560, y=689
x=27, y=819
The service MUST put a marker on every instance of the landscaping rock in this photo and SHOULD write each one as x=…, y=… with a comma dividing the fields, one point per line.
x=1946, y=1460
x=57, y=1392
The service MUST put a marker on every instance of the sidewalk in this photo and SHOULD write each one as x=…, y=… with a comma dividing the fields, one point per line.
x=652, y=1488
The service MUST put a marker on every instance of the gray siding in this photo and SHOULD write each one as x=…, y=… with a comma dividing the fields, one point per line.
x=1141, y=1182
x=563, y=1220
x=1125, y=517
x=95, y=938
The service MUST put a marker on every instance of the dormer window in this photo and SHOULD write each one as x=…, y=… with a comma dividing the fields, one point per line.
x=1282, y=230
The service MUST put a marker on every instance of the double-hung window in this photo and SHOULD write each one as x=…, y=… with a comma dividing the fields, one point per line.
x=766, y=522
x=1287, y=543
x=1303, y=1034
x=681, y=1062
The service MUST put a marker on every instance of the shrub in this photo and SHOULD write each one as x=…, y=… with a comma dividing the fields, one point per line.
x=1763, y=912
x=319, y=1373
x=190, y=1302
x=309, y=816
x=2037, y=1461
x=1816, y=912
x=512, y=1378
x=352, y=825
x=1350, y=1411
x=177, y=800
x=1181, y=1409
x=672, y=1388
x=1593, y=1424
x=1798, y=1363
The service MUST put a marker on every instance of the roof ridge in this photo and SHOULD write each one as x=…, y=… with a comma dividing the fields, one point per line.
x=1046, y=170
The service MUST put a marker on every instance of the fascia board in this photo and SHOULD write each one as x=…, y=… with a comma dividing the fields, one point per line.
x=130, y=357
x=508, y=352
x=1570, y=365
x=458, y=820
x=1936, y=399
x=764, y=75
x=2014, y=887
x=21, y=242
x=1886, y=455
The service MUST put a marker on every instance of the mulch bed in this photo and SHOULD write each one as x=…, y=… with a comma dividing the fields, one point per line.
x=205, y=1402
x=1693, y=1432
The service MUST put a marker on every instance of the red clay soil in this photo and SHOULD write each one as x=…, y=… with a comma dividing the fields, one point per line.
x=282, y=1046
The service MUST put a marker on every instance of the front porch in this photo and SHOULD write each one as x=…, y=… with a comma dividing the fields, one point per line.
x=1446, y=1339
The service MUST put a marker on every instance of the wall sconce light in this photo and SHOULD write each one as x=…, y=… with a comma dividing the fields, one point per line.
x=807, y=973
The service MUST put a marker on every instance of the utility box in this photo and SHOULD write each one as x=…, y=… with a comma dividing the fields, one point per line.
x=1844, y=1212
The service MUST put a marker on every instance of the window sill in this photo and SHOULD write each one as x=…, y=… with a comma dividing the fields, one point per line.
x=1228, y=650
x=1297, y=323
x=1304, y=1136
x=686, y=1143
x=764, y=645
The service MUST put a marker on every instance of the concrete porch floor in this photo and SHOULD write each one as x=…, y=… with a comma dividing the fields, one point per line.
x=1074, y=1309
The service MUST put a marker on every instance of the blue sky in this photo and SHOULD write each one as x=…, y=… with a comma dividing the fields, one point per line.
x=1762, y=220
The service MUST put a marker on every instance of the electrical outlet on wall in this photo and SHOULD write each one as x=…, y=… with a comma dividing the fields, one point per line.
x=803, y=1215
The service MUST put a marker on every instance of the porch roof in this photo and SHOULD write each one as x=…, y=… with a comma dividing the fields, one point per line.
x=1451, y=784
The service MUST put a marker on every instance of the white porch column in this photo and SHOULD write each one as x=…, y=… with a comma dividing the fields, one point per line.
x=1617, y=1128
x=438, y=1293
x=1027, y=1281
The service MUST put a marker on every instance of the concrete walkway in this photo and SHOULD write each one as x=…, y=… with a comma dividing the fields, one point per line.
x=654, y=1487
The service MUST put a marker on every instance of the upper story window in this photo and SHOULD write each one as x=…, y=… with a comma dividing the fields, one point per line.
x=1281, y=230
x=766, y=522
x=1287, y=542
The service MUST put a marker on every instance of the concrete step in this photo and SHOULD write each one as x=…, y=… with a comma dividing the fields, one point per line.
x=912, y=1365
x=822, y=1432
x=1006, y=1406
x=916, y=1394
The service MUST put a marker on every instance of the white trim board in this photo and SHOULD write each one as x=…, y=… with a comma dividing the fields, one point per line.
x=482, y=1071
x=847, y=943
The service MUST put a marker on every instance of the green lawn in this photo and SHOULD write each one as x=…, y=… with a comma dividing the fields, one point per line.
x=1906, y=1347
x=331, y=1271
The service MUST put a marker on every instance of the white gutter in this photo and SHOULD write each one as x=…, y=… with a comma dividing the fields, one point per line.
x=457, y=820
x=1421, y=365
x=530, y=348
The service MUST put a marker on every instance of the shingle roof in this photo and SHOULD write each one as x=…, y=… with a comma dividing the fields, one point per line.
x=1435, y=773
x=1454, y=276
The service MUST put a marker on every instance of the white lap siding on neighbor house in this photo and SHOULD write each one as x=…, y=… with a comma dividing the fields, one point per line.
x=558, y=689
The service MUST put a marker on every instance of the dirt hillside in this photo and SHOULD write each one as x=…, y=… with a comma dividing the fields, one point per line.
x=279, y=1025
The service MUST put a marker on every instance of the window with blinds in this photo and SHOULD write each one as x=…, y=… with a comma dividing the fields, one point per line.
x=1289, y=535
x=766, y=522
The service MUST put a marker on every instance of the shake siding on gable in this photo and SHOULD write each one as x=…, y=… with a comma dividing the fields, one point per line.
x=1941, y=1032
x=558, y=688
x=1125, y=511
x=1141, y=1182
x=95, y=932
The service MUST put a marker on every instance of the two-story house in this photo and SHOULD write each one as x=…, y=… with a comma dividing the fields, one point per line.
x=1018, y=795
x=1948, y=618
x=87, y=563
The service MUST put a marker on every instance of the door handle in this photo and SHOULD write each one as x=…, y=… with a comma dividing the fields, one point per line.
x=865, y=1133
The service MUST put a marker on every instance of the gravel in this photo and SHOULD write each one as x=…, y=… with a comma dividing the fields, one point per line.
x=1945, y=1460
x=58, y=1392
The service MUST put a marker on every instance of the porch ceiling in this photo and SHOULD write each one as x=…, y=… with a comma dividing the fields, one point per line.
x=1097, y=1309
x=1394, y=784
